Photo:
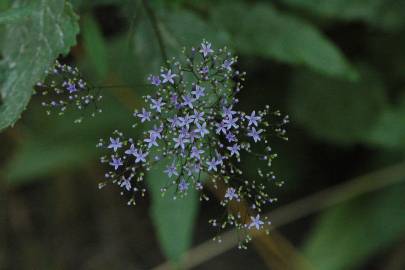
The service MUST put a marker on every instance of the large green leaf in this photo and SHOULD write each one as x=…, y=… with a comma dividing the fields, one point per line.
x=173, y=219
x=262, y=30
x=387, y=14
x=346, y=235
x=30, y=47
x=336, y=110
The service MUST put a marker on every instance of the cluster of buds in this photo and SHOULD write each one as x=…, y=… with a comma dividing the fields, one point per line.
x=65, y=88
x=192, y=125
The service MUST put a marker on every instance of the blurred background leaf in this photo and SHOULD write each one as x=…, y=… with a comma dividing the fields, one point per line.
x=173, y=219
x=346, y=235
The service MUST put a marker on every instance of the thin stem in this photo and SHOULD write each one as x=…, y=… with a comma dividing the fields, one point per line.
x=156, y=29
x=298, y=209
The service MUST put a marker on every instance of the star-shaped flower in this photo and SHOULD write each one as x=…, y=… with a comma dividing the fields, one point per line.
x=195, y=153
x=198, y=92
x=231, y=194
x=256, y=222
x=183, y=185
x=171, y=170
x=188, y=101
x=115, y=144
x=132, y=150
x=157, y=104
x=168, y=76
x=253, y=119
x=234, y=149
x=116, y=162
x=206, y=49
x=154, y=80
x=255, y=134
x=202, y=129
x=221, y=127
x=145, y=115
x=126, y=183
x=140, y=156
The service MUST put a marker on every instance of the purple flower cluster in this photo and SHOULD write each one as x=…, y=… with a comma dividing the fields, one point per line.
x=64, y=88
x=194, y=127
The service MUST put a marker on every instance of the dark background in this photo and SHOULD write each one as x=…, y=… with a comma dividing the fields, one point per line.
x=335, y=67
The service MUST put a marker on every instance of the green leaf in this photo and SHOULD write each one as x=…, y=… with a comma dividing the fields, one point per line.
x=95, y=46
x=336, y=110
x=173, y=219
x=178, y=32
x=30, y=47
x=42, y=158
x=15, y=14
x=387, y=14
x=54, y=143
x=389, y=129
x=262, y=30
x=348, y=234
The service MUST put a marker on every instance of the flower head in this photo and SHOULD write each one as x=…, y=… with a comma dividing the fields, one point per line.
x=198, y=129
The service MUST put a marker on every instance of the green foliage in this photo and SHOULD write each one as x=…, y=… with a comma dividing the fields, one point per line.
x=30, y=47
x=386, y=14
x=174, y=219
x=347, y=234
x=262, y=30
x=15, y=14
x=95, y=45
x=389, y=129
x=336, y=110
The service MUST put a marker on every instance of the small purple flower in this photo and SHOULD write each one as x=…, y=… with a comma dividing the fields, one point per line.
x=221, y=127
x=195, y=153
x=198, y=116
x=126, y=183
x=140, y=156
x=71, y=87
x=231, y=122
x=230, y=137
x=204, y=70
x=186, y=121
x=255, y=134
x=154, y=80
x=201, y=129
x=132, y=150
x=227, y=112
x=227, y=64
x=231, y=194
x=212, y=165
x=253, y=119
x=157, y=104
x=174, y=121
x=145, y=115
x=234, y=149
x=115, y=144
x=116, y=162
x=168, y=77
x=188, y=101
x=198, y=92
x=171, y=170
x=183, y=185
x=180, y=142
x=174, y=99
x=206, y=48
x=156, y=132
x=256, y=222
x=151, y=141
